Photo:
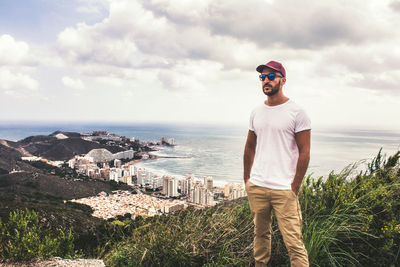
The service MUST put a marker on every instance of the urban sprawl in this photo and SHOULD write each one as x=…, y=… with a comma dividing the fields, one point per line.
x=152, y=194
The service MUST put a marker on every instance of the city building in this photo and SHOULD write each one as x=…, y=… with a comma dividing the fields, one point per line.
x=117, y=163
x=234, y=191
x=99, y=155
x=170, y=186
x=186, y=184
x=208, y=182
x=128, y=154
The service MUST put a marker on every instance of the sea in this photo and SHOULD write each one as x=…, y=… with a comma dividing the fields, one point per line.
x=217, y=151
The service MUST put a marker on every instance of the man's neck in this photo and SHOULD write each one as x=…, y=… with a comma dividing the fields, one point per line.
x=276, y=100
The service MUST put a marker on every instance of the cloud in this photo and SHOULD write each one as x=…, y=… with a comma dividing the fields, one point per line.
x=92, y=6
x=163, y=37
x=379, y=82
x=170, y=80
x=282, y=23
x=73, y=83
x=13, y=52
x=10, y=81
x=133, y=37
x=395, y=5
x=161, y=33
x=375, y=67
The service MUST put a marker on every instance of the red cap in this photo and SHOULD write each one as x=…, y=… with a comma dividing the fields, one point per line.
x=272, y=65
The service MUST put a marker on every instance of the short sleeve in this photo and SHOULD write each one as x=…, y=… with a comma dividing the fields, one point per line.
x=251, y=122
x=303, y=122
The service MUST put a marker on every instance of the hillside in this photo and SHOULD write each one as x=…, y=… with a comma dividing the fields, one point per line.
x=349, y=219
x=45, y=194
x=28, y=190
x=10, y=159
x=35, y=187
x=52, y=148
x=37, y=183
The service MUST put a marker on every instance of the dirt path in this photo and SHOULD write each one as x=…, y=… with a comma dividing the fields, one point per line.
x=20, y=149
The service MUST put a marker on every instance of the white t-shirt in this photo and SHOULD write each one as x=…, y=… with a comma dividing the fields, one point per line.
x=277, y=153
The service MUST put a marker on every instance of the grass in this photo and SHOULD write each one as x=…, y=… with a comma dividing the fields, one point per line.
x=189, y=238
x=349, y=219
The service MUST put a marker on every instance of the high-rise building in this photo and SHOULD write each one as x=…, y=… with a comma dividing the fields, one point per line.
x=195, y=195
x=129, y=180
x=201, y=195
x=156, y=182
x=208, y=182
x=172, y=187
x=234, y=190
x=113, y=176
x=132, y=170
x=126, y=173
x=141, y=177
x=228, y=189
x=186, y=185
x=117, y=163
x=165, y=185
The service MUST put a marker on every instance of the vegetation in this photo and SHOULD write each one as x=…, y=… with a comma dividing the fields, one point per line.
x=22, y=238
x=64, y=171
x=349, y=219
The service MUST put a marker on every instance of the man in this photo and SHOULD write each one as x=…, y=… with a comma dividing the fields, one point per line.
x=275, y=160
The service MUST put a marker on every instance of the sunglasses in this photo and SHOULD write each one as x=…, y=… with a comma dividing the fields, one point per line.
x=270, y=76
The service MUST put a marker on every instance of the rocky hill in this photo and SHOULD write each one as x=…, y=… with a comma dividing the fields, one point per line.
x=53, y=148
x=46, y=194
x=34, y=187
x=10, y=158
x=34, y=183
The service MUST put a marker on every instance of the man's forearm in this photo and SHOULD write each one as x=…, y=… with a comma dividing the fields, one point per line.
x=301, y=169
x=248, y=155
x=248, y=159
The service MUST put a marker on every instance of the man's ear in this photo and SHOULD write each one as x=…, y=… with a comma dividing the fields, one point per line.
x=283, y=81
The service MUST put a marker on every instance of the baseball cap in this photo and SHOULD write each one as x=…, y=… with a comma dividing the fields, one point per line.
x=272, y=65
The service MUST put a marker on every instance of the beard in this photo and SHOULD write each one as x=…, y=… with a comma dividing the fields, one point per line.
x=274, y=89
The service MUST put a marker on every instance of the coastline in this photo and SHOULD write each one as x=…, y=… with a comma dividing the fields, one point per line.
x=154, y=157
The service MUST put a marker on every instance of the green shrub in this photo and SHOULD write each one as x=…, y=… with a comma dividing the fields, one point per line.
x=349, y=219
x=190, y=237
x=22, y=238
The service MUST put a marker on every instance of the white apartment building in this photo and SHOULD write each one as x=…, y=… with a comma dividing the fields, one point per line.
x=128, y=154
x=170, y=186
x=234, y=191
x=129, y=180
x=164, y=185
x=132, y=169
x=187, y=184
x=113, y=176
x=117, y=163
x=200, y=195
x=156, y=182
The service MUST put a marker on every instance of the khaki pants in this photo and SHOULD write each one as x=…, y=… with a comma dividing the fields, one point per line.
x=287, y=211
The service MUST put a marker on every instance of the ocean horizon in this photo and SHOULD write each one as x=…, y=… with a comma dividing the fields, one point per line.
x=217, y=150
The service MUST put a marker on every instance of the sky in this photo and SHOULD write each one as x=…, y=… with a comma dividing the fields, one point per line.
x=194, y=61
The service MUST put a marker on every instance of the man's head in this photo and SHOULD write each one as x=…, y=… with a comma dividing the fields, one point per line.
x=273, y=77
